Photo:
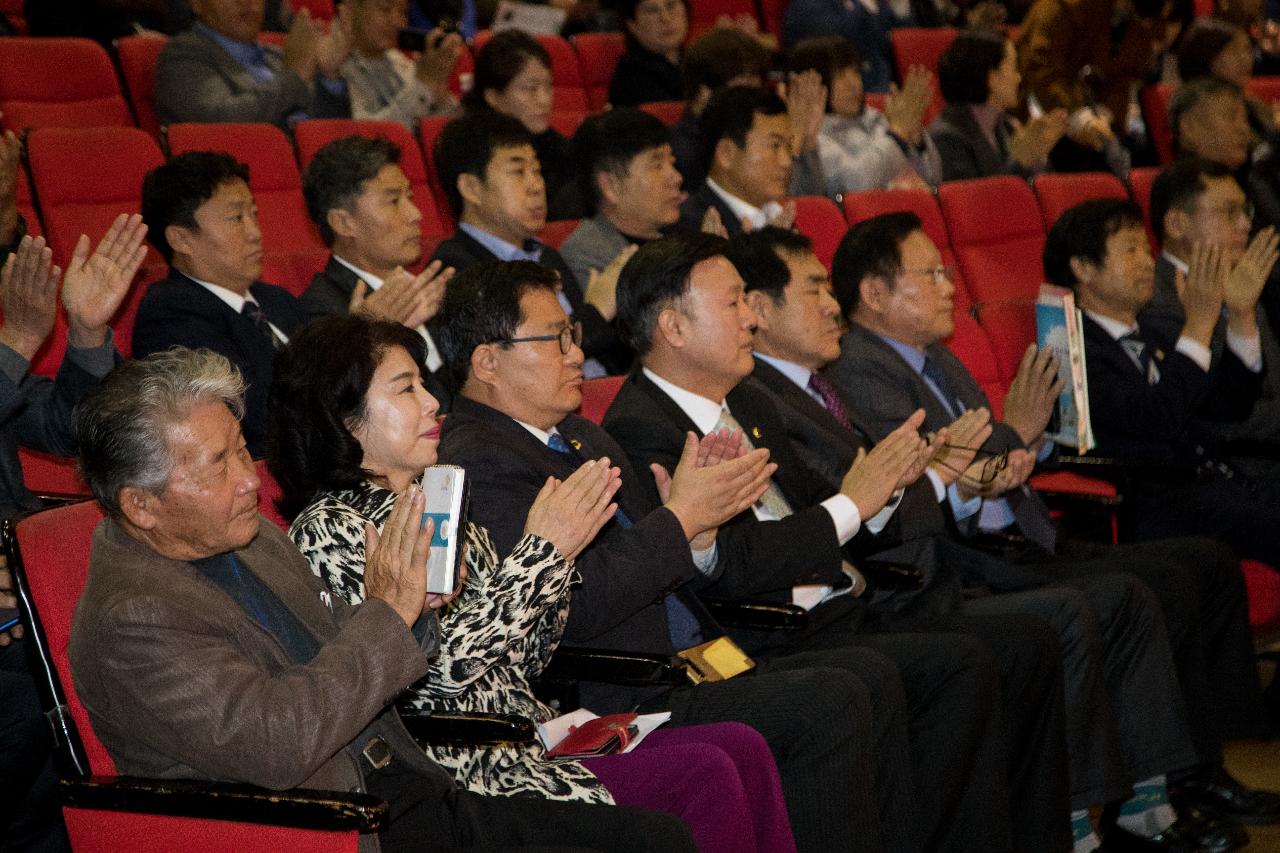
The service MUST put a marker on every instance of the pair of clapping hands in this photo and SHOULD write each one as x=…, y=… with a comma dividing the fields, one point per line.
x=1212, y=283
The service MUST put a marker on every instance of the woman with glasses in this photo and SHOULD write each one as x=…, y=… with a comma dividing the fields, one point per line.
x=351, y=429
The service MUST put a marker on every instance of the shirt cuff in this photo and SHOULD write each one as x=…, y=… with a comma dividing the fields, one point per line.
x=961, y=508
x=844, y=514
x=939, y=490
x=1194, y=350
x=877, y=522
x=97, y=361
x=704, y=559
x=335, y=86
x=1248, y=350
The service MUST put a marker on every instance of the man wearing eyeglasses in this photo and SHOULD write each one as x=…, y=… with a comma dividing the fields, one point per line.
x=897, y=296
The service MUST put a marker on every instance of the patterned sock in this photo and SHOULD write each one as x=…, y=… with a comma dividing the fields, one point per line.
x=1147, y=812
x=1084, y=839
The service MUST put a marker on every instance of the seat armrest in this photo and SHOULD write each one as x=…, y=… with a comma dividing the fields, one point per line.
x=632, y=669
x=758, y=615
x=436, y=728
x=306, y=809
x=1122, y=471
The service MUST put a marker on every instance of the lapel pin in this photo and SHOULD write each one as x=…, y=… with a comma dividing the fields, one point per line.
x=755, y=432
x=577, y=445
x=325, y=599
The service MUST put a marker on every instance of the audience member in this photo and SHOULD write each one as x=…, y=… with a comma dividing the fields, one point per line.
x=37, y=414
x=217, y=71
x=513, y=426
x=503, y=627
x=513, y=77
x=720, y=57
x=896, y=296
x=383, y=82
x=253, y=673
x=649, y=70
x=976, y=133
x=1209, y=120
x=747, y=139
x=860, y=147
x=1212, y=47
x=362, y=204
x=491, y=173
x=632, y=184
x=1085, y=57
x=797, y=335
x=201, y=217
x=178, y=15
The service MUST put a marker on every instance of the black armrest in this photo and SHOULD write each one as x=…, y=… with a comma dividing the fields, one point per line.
x=632, y=669
x=1123, y=470
x=758, y=615
x=469, y=728
x=324, y=810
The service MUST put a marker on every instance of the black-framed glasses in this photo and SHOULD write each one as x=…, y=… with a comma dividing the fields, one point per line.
x=992, y=463
x=569, y=337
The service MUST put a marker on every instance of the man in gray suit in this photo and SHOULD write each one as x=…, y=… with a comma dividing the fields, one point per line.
x=218, y=72
x=203, y=647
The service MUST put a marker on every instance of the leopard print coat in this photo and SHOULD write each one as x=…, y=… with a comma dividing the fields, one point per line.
x=496, y=636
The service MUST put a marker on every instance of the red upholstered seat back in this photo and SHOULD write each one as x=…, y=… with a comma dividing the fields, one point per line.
x=1263, y=585
x=1058, y=193
x=922, y=46
x=598, y=55
x=668, y=111
x=1155, y=112
x=139, y=56
x=818, y=218
x=428, y=131
x=34, y=94
x=1140, y=183
x=268, y=493
x=555, y=233
x=598, y=395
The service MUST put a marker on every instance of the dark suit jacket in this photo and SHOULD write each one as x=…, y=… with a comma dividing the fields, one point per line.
x=1157, y=422
x=760, y=558
x=625, y=571
x=329, y=294
x=179, y=312
x=695, y=207
x=600, y=339
x=964, y=148
x=182, y=683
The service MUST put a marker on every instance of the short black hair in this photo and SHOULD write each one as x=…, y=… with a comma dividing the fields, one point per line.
x=966, y=64
x=870, y=248
x=500, y=61
x=656, y=276
x=1082, y=232
x=718, y=56
x=482, y=306
x=174, y=191
x=609, y=141
x=1179, y=185
x=1193, y=94
x=828, y=55
x=626, y=11
x=758, y=256
x=336, y=176
x=318, y=386
x=1202, y=43
x=468, y=144
x=730, y=114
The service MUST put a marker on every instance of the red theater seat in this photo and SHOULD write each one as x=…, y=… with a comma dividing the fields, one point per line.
x=668, y=111
x=818, y=218
x=598, y=395
x=59, y=82
x=704, y=13
x=598, y=55
x=1263, y=585
x=555, y=233
x=1155, y=112
x=139, y=56
x=428, y=131
x=1057, y=193
x=1140, y=183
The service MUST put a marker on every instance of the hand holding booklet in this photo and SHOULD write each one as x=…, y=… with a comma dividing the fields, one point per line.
x=1059, y=326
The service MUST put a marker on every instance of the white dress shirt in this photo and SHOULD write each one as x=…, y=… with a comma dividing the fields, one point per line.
x=754, y=217
x=236, y=302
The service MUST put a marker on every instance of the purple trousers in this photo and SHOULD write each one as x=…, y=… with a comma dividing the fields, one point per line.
x=720, y=779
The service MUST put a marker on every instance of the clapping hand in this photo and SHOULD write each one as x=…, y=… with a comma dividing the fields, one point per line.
x=1033, y=393
x=95, y=284
x=905, y=107
x=28, y=296
x=395, y=568
x=1017, y=469
x=1244, y=283
x=569, y=514
x=403, y=297
x=965, y=435
x=1201, y=290
x=806, y=98
x=873, y=477
x=715, y=479
x=602, y=285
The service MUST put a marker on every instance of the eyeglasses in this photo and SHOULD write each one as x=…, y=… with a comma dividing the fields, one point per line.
x=569, y=337
x=992, y=464
x=1234, y=210
x=940, y=274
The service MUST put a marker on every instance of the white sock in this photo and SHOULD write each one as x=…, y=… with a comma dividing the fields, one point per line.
x=1147, y=812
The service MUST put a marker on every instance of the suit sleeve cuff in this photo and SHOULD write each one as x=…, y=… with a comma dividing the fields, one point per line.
x=96, y=361
x=12, y=364
x=1194, y=350
x=844, y=514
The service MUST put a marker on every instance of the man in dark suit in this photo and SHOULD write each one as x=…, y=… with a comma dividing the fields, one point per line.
x=252, y=673
x=513, y=426
x=492, y=177
x=201, y=217
x=359, y=199
x=896, y=296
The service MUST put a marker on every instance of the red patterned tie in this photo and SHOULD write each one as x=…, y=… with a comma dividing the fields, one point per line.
x=830, y=399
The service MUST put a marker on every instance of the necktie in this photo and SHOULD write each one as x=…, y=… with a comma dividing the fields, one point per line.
x=1142, y=356
x=830, y=399
x=772, y=500
x=933, y=372
x=682, y=624
x=253, y=311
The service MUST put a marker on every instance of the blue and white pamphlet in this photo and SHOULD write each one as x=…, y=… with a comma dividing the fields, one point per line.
x=1059, y=326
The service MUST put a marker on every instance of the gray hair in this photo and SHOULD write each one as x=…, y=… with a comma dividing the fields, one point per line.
x=121, y=427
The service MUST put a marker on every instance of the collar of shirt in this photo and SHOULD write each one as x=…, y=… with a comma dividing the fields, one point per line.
x=501, y=249
x=704, y=413
x=368, y=278
x=247, y=53
x=1115, y=328
x=234, y=300
x=1178, y=264
x=912, y=356
x=988, y=119
x=797, y=373
x=542, y=435
x=434, y=359
x=758, y=216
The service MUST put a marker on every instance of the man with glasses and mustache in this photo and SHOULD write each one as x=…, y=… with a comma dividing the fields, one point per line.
x=896, y=296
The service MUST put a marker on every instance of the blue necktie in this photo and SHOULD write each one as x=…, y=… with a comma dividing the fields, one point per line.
x=933, y=372
x=682, y=624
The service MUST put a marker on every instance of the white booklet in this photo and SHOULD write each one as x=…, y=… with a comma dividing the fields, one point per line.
x=1060, y=327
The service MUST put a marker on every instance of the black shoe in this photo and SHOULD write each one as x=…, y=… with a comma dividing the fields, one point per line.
x=1218, y=793
x=1192, y=833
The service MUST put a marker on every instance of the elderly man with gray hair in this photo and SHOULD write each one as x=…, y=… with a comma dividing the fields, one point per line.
x=203, y=647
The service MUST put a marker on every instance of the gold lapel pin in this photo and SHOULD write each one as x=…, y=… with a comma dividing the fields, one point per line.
x=755, y=432
x=577, y=445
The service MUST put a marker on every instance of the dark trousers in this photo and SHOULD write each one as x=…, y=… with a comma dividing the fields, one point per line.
x=1237, y=511
x=30, y=816
x=425, y=819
